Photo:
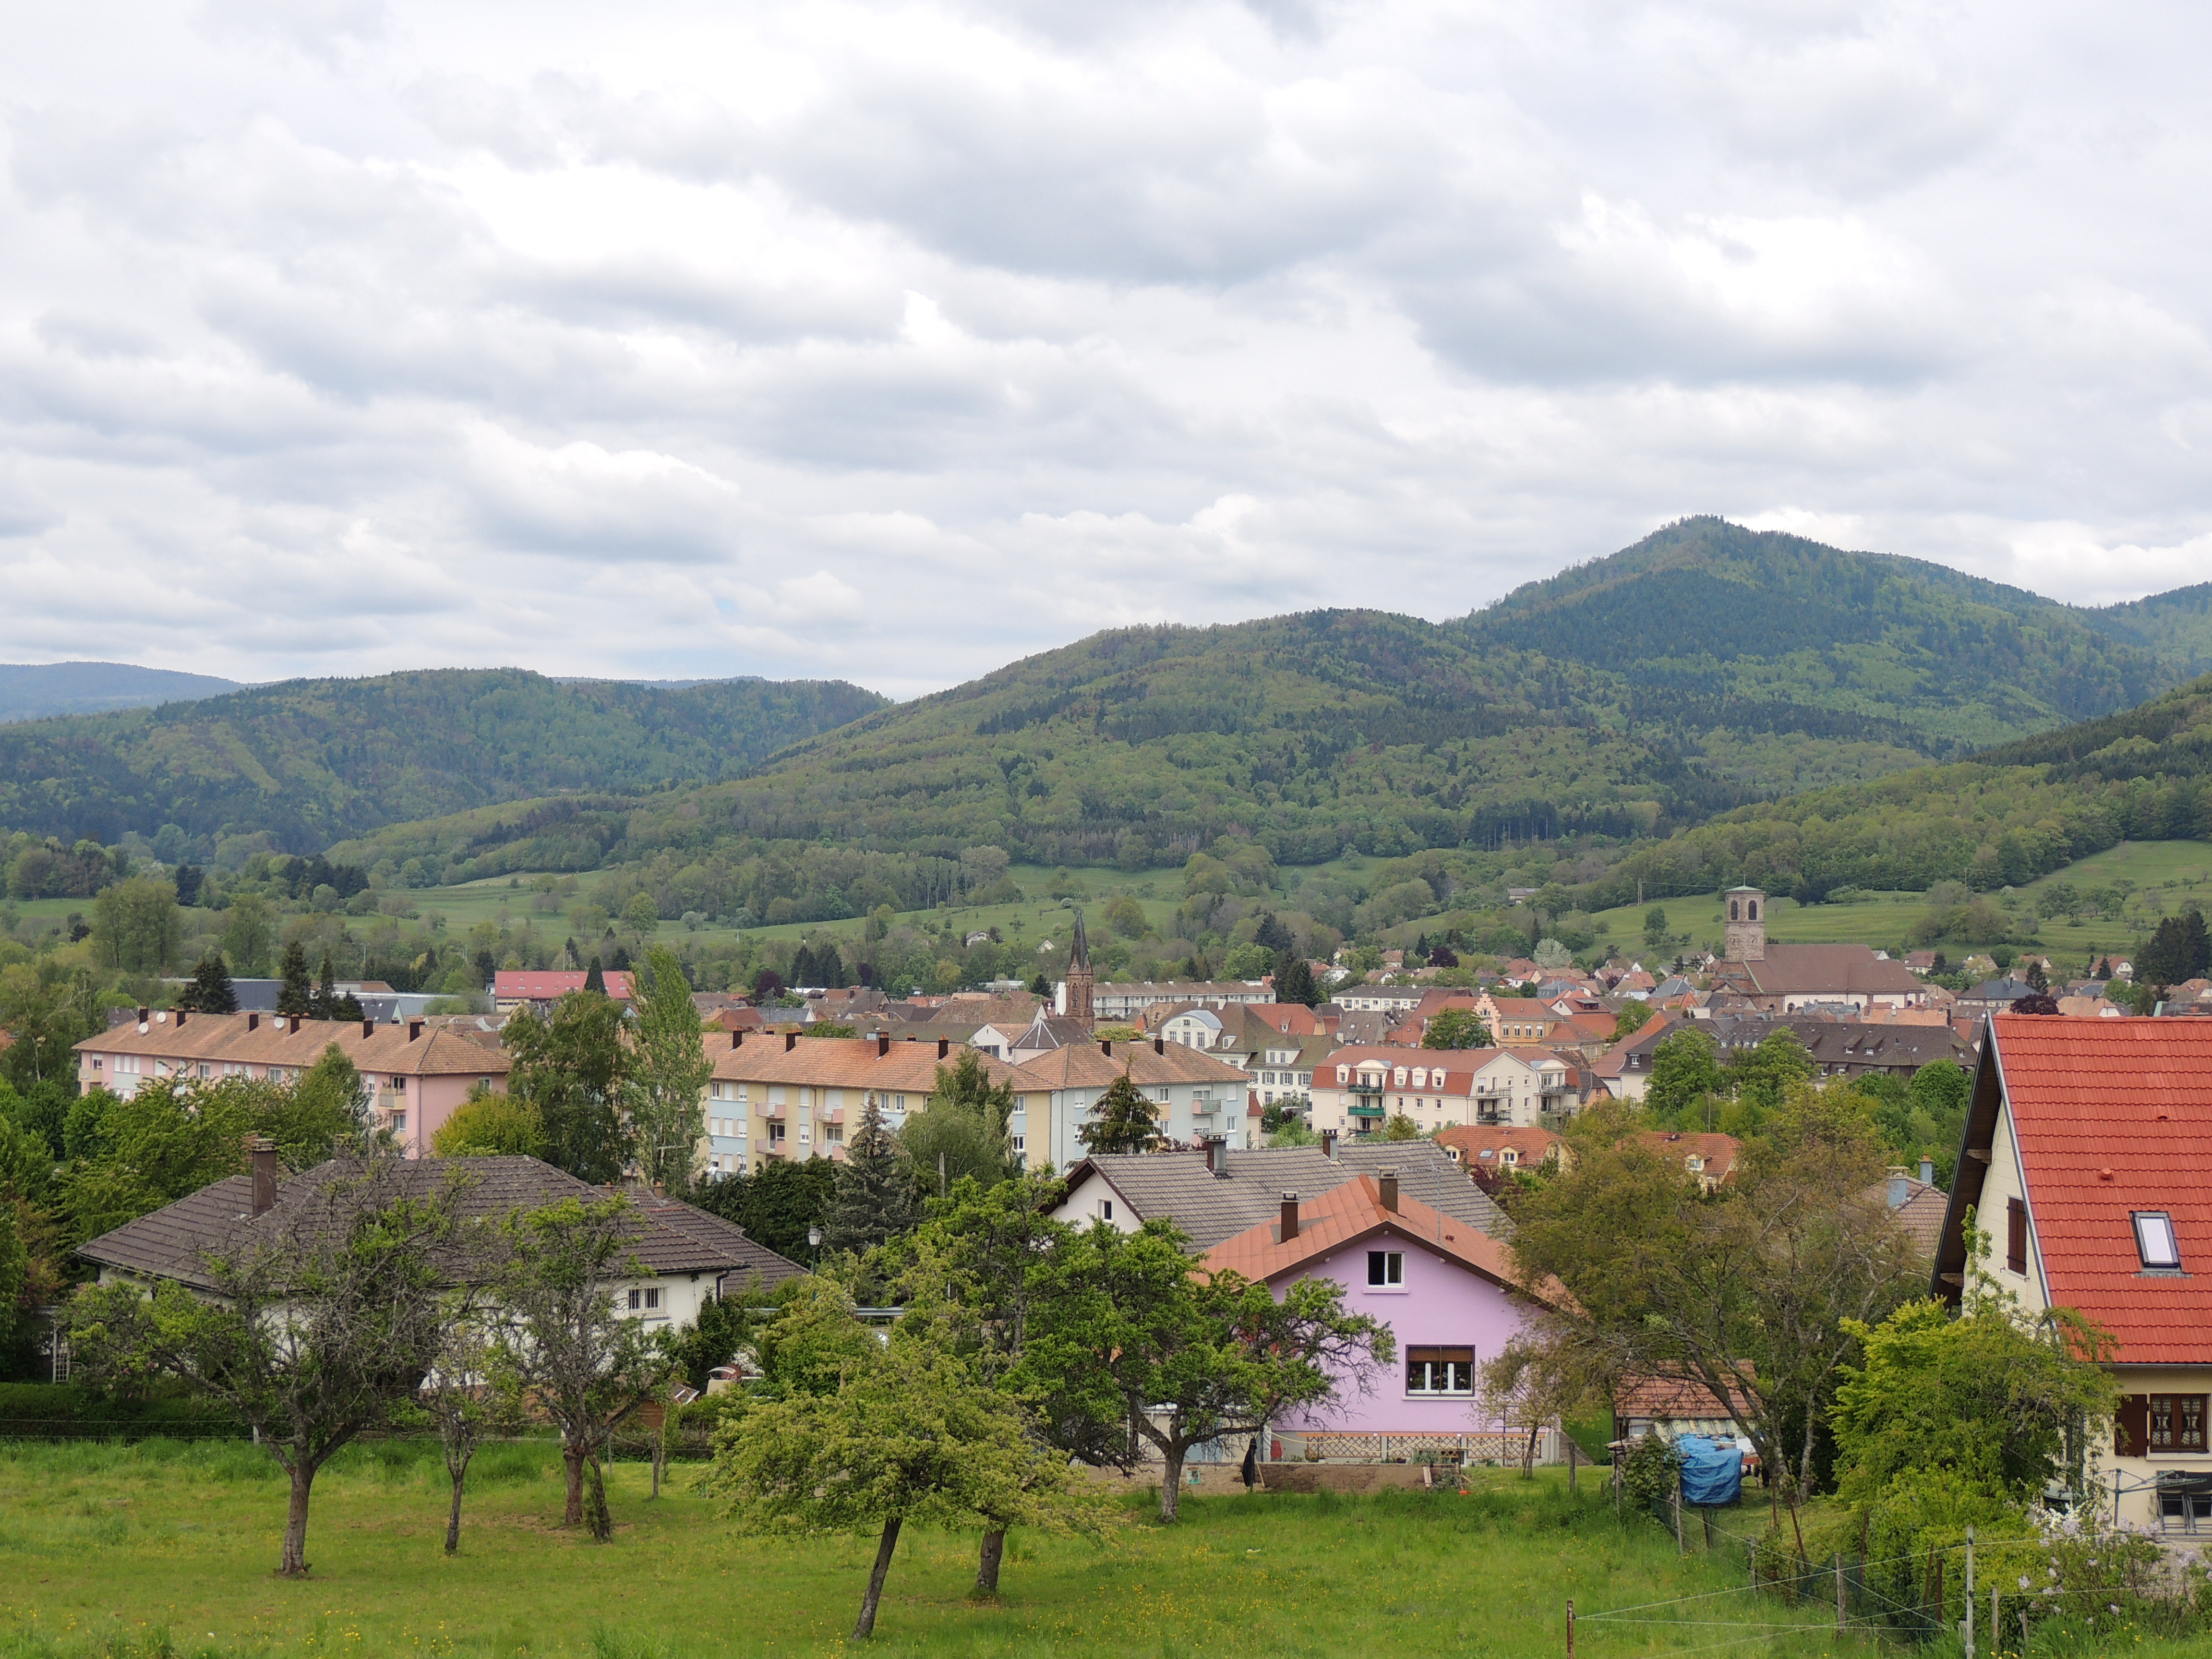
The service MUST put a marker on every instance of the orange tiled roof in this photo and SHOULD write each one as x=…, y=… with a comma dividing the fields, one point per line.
x=1087, y=1066
x=267, y=1040
x=1347, y=1214
x=847, y=1063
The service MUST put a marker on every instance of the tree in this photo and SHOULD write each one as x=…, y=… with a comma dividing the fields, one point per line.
x=562, y=1340
x=296, y=996
x=1457, y=1028
x=1632, y=1020
x=210, y=991
x=1551, y=953
x=574, y=1072
x=1294, y=980
x=135, y=926
x=327, y=1003
x=491, y=1125
x=1744, y=1291
x=45, y=1013
x=910, y=1435
x=775, y=1204
x=669, y=1071
x=595, y=980
x=962, y=1129
x=1683, y=1073
x=1127, y=1121
x=1401, y=1128
x=459, y=1397
x=1760, y=1075
x=1655, y=928
x=325, y=1113
x=248, y=930
x=2038, y=979
x=322, y=1320
x=1128, y=1327
x=873, y=1199
x=2178, y=951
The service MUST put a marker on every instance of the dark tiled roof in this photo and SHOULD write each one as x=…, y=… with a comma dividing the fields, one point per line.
x=170, y=1242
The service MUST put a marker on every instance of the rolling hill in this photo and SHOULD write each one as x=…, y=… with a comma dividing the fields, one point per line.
x=34, y=690
x=310, y=762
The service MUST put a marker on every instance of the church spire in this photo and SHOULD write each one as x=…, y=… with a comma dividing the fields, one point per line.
x=1077, y=1006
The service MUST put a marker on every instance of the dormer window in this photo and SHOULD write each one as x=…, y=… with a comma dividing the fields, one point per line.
x=2156, y=1243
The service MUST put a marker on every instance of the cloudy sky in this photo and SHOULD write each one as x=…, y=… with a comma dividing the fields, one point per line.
x=891, y=341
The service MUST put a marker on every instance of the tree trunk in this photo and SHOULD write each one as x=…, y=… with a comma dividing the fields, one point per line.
x=986, y=1563
x=296, y=1522
x=572, y=1467
x=460, y=1474
x=1170, y=1482
x=866, y=1627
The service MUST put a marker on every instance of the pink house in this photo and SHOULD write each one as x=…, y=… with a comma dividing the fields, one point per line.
x=1445, y=1290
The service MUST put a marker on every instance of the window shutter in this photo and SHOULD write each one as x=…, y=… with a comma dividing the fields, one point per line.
x=2131, y=1427
x=2015, y=1235
x=1465, y=1356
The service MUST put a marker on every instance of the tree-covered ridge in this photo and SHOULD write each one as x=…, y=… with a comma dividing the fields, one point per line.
x=310, y=762
x=1708, y=611
x=2177, y=626
x=2004, y=819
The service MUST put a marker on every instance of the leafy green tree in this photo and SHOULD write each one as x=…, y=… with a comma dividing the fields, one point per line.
x=1654, y=927
x=1684, y=1073
x=1127, y=1121
x=910, y=1434
x=1401, y=1128
x=572, y=1071
x=1633, y=1019
x=296, y=996
x=873, y=1199
x=1124, y=916
x=457, y=1396
x=669, y=1072
x=322, y=1321
x=1552, y=953
x=1126, y=1328
x=1457, y=1028
x=131, y=1155
x=248, y=932
x=47, y=1012
x=1761, y=1075
x=962, y=1129
x=775, y=1204
x=135, y=926
x=2178, y=951
x=562, y=1339
x=491, y=1125
x=210, y=991
x=324, y=1115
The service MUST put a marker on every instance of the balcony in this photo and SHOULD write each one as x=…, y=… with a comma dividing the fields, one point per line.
x=1361, y=1109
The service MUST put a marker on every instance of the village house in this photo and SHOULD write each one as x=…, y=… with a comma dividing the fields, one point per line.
x=1519, y=1019
x=1445, y=1290
x=682, y=1259
x=1195, y=1097
x=1710, y=1158
x=801, y=1097
x=1488, y=1152
x=538, y=989
x=1785, y=978
x=1356, y=1090
x=2086, y=1165
x=417, y=1072
x=1119, y=1004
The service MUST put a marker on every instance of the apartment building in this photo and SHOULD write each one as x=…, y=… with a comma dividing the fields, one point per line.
x=1198, y=1098
x=1357, y=1090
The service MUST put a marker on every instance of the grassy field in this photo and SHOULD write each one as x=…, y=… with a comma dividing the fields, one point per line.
x=110, y=1550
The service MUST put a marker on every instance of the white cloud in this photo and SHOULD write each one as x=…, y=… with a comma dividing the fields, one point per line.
x=894, y=338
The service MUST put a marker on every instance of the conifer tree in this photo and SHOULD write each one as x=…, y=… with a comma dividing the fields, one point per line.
x=595, y=979
x=297, y=994
x=210, y=991
x=1294, y=980
x=874, y=1199
x=1126, y=1121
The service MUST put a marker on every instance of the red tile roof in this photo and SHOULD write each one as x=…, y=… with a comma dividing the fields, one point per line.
x=2114, y=1116
x=1345, y=1215
x=513, y=984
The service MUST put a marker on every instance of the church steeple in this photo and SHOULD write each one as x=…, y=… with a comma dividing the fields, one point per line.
x=1077, y=1006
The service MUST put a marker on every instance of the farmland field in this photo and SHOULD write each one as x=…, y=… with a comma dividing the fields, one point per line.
x=111, y=1550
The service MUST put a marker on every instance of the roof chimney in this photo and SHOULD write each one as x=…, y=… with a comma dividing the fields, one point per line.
x=1210, y=1144
x=1290, y=1228
x=737, y=1039
x=1218, y=1145
x=1328, y=1143
x=1386, y=1185
x=790, y=1041
x=1159, y=1045
x=1900, y=1187
x=883, y=1044
x=145, y=1014
x=1928, y=1170
x=253, y=1021
x=943, y=1046
x=180, y=1019
x=263, y=1154
x=368, y=1027
x=414, y=1030
x=1105, y=1044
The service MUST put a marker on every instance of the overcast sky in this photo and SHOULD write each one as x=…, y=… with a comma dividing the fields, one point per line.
x=891, y=342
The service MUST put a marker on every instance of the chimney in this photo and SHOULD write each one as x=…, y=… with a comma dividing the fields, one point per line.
x=1105, y=1044
x=145, y=1015
x=1159, y=1045
x=1219, y=1147
x=1898, y=1188
x=180, y=1019
x=943, y=1046
x=1290, y=1227
x=414, y=1030
x=883, y=1044
x=1928, y=1170
x=1211, y=1143
x=737, y=1039
x=1387, y=1190
x=790, y=1041
x=368, y=1028
x=262, y=1152
x=253, y=1021
x=1328, y=1143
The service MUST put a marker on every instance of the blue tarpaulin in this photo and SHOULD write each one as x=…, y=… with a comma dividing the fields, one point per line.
x=1712, y=1470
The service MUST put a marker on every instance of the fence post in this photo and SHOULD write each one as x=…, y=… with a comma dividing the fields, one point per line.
x=1706, y=1515
x=1840, y=1593
x=1970, y=1593
x=1678, y=1547
x=1750, y=1560
x=1570, y=1630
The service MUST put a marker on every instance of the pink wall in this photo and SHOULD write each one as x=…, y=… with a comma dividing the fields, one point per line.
x=1441, y=1305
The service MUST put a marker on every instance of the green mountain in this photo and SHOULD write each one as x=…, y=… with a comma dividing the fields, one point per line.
x=310, y=762
x=2177, y=626
x=31, y=691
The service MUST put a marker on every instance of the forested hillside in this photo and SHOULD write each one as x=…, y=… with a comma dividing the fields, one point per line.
x=34, y=690
x=309, y=762
x=2001, y=819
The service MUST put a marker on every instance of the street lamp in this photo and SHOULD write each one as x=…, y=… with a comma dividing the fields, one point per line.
x=814, y=1238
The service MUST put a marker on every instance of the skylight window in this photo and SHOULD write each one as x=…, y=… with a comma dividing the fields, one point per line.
x=2154, y=1239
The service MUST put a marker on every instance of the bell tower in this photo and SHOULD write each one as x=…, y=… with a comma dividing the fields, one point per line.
x=1078, y=974
x=1745, y=924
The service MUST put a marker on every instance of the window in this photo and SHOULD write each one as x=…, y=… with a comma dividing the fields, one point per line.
x=1440, y=1370
x=1106, y=1209
x=2176, y=1423
x=2155, y=1240
x=1386, y=1267
x=2016, y=1236
x=741, y=1129
x=646, y=1301
x=399, y=1124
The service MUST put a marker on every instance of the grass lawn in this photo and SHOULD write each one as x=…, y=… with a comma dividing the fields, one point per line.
x=104, y=1549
